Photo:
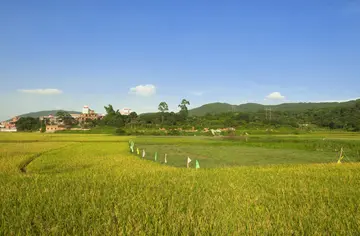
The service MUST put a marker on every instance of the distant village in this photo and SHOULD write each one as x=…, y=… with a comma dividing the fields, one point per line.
x=55, y=123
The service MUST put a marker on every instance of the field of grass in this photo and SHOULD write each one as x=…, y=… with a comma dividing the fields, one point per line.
x=91, y=184
x=255, y=150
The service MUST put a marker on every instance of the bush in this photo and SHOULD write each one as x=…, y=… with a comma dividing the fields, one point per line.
x=296, y=132
x=43, y=128
x=230, y=133
x=119, y=131
x=155, y=133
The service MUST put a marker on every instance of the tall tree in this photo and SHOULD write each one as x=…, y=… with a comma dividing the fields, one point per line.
x=110, y=110
x=183, y=108
x=65, y=117
x=163, y=107
x=131, y=119
x=113, y=118
x=133, y=115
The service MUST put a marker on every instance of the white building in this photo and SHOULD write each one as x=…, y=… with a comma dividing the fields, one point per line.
x=86, y=110
x=125, y=111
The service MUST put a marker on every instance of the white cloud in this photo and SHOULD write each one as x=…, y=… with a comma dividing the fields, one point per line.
x=143, y=90
x=41, y=91
x=275, y=96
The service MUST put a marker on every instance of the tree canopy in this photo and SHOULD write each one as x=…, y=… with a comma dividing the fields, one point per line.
x=28, y=124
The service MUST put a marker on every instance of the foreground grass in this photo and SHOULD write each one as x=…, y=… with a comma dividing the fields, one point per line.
x=79, y=187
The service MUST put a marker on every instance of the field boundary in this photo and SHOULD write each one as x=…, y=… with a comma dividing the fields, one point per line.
x=62, y=141
x=24, y=164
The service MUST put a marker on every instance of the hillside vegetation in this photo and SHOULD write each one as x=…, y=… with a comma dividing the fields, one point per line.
x=46, y=113
x=217, y=108
x=297, y=117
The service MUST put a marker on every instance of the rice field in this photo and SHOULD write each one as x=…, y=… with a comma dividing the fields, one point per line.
x=54, y=184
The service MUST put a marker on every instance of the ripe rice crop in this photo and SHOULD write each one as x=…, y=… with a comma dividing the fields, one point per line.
x=92, y=184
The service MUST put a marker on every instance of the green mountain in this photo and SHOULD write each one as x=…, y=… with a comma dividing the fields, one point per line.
x=45, y=113
x=216, y=108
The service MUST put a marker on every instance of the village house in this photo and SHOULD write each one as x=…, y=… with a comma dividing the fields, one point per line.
x=9, y=126
x=12, y=123
x=53, y=128
x=51, y=119
x=87, y=113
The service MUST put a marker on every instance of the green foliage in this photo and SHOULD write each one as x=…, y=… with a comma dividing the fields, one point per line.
x=120, y=131
x=217, y=108
x=43, y=127
x=110, y=110
x=89, y=123
x=183, y=109
x=133, y=116
x=113, y=118
x=28, y=124
x=45, y=113
x=65, y=118
x=174, y=132
x=163, y=107
x=344, y=116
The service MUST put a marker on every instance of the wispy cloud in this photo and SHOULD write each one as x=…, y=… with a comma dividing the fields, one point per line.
x=143, y=90
x=275, y=96
x=41, y=91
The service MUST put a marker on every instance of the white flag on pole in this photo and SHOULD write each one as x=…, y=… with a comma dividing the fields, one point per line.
x=143, y=154
x=188, y=160
x=165, y=161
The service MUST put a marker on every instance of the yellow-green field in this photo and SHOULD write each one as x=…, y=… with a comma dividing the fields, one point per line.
x=91, y=185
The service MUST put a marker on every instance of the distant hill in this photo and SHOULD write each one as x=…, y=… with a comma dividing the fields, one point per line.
x=45, y=113
x=216, y=108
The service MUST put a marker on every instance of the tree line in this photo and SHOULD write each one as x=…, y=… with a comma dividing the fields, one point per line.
x=346, y=118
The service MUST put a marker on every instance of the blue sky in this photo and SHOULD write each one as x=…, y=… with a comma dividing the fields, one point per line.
x=138, y=53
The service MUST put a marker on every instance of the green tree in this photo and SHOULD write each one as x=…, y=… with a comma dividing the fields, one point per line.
x=184, y=112
x=65, y=117
x=131, y=119
x=110, y=110
x=133, y=116
x=28, y=124
x=43, y=126
x=113, y=118
x=163, y=107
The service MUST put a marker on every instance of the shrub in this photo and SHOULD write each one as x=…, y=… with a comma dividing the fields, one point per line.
x=120, y=131
x=174, y=132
